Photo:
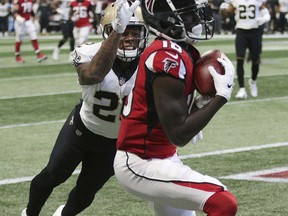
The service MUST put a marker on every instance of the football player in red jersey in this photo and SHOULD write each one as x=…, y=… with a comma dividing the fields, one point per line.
x=23, y=14
x=106, y=73
x=80, y=15
x=156, y=118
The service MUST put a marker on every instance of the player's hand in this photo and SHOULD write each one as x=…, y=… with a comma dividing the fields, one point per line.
x=75, y=17
x=199, y=137
x=223, y=83
x=224, y=6
x=20, y=20
x=60, y=11
x=201, y=101
x=124, y=14
x=260, y=20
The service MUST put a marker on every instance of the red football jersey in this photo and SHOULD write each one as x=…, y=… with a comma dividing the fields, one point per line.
x=140, y=130
x=24, y=8
x=81, y=10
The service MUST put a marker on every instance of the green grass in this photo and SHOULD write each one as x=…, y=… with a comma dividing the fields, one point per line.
x=42, y=96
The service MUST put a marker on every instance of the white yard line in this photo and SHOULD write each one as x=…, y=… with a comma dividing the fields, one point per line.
x=39, y=77
x=183, y=157
x=39, y=95
x=31, y=124
x=256, y=176
x=234, y=150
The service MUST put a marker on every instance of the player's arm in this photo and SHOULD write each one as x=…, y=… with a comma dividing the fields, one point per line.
x=226, y=9
x=18, y=18
x=94, y=72
x=55, y=5
x=264, y=15
x=172, y=110
x=179, y=124
x=91, y=11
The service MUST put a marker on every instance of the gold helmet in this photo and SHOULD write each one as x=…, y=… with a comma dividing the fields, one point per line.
x=109, y=15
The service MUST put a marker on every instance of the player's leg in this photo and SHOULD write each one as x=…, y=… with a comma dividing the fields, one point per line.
x=83, y=34
x=64, y=30
x=170, y=183
x=161, y=210
x=76, y=34
x=255, y=47
x=97, y=168
x=19, y=35
x=31, y=30
x=65, y=157
x=70, y=35
x=240, y=46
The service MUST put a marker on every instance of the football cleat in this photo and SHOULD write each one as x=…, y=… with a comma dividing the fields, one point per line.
x=19, y=59
x=41, y=57
x=253, y=88
x=58, y=211
x=241, y=94
x=24, y=212
x=55, y=55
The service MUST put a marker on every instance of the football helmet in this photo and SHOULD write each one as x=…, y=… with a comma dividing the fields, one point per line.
x=179, y=20
x=136, y=21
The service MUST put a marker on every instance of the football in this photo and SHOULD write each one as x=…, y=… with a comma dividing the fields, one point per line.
x=202, y=78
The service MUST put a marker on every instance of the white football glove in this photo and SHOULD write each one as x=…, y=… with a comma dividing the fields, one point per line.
x=224, y=6
x=60, y=11
x=199, y=137
x=75, y=17
x=201, y=101
x=223, y=83
x=264, y=16
x=20, y=20
x=124, y=14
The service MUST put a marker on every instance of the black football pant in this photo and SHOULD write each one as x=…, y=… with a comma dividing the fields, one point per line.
x=75, y=144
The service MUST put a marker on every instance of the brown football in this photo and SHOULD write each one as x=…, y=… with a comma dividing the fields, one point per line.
x=202, y=78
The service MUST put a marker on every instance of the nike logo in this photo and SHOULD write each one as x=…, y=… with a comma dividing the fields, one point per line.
x=229, y=85
x=173, y=56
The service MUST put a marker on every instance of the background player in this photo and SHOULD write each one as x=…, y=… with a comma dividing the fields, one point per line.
x=80, y=15
x=23, y=15
x=250, y=15
x=5, y=10
x=106, y=75
x=156, y=117
x=62, y=7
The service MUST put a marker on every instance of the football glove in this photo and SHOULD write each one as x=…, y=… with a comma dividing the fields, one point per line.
x=264, y=17
x=124, y=13
x=223, y=83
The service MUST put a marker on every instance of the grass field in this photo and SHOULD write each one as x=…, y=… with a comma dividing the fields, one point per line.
x=245, y=136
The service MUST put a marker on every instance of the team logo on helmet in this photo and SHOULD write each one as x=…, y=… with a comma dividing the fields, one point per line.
x=149, y=4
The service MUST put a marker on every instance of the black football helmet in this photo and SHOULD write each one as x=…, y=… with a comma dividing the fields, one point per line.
x=179, y=20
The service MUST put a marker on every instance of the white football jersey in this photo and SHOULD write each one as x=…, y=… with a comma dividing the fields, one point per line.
x=283, y=6
x=102, y=102
x=246, y=13
x=65, y=8
x=4, y=9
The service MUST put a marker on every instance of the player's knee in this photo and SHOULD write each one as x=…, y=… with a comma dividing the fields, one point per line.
x=221, y=204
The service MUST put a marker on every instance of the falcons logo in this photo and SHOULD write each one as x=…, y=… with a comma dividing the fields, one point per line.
x=169, y=63
x=149, y=4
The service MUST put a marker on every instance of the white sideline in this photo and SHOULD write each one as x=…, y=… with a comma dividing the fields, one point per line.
x=183, y=157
